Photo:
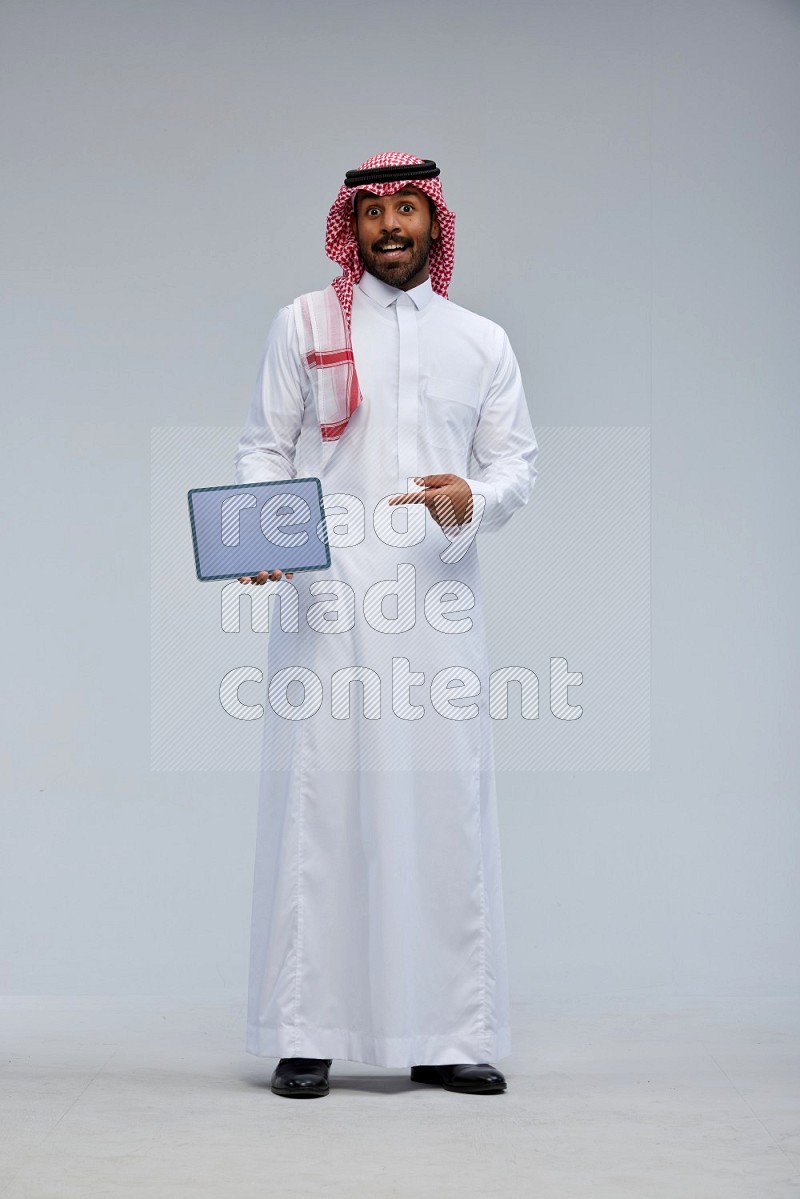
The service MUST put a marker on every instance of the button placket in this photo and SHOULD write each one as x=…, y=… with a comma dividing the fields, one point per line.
x=408, y=390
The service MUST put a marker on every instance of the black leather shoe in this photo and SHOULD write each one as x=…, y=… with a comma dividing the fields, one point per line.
x=301, y=1077
x=478, y=1079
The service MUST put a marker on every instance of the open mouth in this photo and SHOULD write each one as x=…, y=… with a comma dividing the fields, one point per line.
x=392, y=249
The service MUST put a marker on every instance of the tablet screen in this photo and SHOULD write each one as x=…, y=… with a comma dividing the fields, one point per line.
x=249, y=527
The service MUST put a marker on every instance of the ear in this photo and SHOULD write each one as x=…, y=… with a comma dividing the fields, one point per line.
x=353, y=224
x=434, y=228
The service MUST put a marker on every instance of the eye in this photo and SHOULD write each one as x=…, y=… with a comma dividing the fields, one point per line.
x=408, y=205
x=373, y=211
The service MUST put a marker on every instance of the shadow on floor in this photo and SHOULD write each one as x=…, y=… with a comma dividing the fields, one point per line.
x=391, y=1085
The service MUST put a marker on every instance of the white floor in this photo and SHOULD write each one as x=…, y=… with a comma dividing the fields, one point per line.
x=696, y=1099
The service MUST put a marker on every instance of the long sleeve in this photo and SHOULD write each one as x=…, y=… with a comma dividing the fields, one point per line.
x=504, y=444
x=266, y=448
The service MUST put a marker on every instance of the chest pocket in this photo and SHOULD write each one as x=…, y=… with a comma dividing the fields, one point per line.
x=450, y=410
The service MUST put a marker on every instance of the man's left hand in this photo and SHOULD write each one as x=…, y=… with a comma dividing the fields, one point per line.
x=447, y=497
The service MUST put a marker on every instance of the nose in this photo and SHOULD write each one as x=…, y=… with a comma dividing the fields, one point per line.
x=390, y=223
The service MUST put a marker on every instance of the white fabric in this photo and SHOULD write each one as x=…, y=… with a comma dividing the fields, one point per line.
x=377, y=923
x=324, y=341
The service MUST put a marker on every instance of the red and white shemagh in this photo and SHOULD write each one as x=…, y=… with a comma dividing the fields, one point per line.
x=324, y=317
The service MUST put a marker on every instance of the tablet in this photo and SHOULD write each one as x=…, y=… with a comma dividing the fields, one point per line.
x=249, y=527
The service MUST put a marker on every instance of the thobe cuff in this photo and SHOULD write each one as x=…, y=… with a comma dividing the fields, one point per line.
x=491, y=499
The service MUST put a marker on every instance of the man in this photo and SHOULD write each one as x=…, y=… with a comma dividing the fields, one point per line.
x=377, y=931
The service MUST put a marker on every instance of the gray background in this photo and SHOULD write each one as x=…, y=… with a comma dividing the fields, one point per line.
x=626, y=184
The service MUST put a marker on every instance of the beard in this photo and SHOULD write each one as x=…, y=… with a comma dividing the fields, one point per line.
x=398, y=274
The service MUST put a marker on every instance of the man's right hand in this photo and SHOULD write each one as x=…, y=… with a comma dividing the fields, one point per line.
x=266, y=576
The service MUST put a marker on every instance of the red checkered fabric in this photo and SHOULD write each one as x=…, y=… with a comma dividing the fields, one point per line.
x=323, y=318
x=325, y=343
x=341, y=244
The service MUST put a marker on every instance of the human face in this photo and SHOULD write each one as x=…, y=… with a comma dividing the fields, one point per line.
x=403, y=220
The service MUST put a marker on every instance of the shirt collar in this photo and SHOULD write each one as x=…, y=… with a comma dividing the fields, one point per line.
x=384, y=294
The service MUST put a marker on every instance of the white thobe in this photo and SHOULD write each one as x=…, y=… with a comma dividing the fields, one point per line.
x=377, y=921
